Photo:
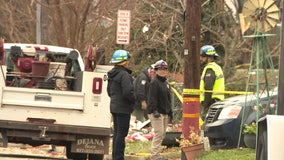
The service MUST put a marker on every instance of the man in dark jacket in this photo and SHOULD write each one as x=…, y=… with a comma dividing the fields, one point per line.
x=159, y=107
x=141, y=88
x=120, y=90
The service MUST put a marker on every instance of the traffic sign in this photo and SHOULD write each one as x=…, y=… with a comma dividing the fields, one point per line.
x=123, y=27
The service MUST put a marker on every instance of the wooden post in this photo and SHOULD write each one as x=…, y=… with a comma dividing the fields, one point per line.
x=280, y=101
x=191, y=102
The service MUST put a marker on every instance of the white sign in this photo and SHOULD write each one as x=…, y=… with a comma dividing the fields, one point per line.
x=123, y=27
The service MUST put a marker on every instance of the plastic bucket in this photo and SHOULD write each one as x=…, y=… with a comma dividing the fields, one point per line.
x=56, y=69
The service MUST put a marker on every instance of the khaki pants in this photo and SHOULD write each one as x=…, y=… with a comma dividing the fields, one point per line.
x=160, y=125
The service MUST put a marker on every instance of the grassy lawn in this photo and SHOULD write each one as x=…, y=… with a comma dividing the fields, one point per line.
x=138, y=148
x=229, y=154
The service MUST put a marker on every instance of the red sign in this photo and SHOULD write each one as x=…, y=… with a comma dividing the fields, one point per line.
x=123, y=27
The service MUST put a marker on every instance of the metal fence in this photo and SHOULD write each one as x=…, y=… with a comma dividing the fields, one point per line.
x=177, y=89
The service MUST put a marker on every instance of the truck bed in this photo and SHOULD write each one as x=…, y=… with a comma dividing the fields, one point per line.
x=75, y=108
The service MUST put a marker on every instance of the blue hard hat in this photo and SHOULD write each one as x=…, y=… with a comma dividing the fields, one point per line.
x=120, y=56
x=208, y=51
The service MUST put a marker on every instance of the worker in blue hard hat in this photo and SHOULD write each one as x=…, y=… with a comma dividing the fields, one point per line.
x=120, y=90
x=212, y=80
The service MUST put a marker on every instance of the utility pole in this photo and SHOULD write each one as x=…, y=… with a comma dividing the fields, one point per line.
x=191, y=104
x=280, y=101
x=38, y=23
x=42, y=22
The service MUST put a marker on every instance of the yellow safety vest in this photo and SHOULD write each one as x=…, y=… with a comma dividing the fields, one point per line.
x=219, y=84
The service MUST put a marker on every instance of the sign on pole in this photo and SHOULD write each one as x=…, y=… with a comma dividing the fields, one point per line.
x=123, y=27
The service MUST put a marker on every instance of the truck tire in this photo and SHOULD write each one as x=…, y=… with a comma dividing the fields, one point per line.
x=96, y=157
x=83, y=156
x=77, y=156
x=74, y=156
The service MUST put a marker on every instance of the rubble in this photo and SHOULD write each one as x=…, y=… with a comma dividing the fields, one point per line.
x=142, y=131
x=19, y=149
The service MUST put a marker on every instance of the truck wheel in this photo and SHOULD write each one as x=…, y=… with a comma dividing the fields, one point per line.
x=77, y=156
x=83, y=156
x=74, y=156
x=96, y=156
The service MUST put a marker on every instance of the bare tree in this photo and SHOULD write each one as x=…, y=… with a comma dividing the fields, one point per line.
x=156, y=28
x=17, y=21
x=72, y=23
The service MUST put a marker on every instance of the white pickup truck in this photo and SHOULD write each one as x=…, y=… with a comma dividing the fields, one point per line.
x=46, y=97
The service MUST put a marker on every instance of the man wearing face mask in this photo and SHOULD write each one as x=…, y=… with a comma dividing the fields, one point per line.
x=212, y=82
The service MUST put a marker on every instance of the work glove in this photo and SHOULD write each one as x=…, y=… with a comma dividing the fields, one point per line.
x=156, y=114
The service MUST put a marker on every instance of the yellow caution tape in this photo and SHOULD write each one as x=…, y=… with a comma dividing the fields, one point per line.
x=188, y=99
x=188, y=91
x=197, y=92
x=142, y=154
x=172, y=83
x=177, y=94
x=200, y=123
x=191, y=91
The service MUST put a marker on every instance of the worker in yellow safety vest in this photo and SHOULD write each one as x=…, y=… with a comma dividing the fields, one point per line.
x=212, y=80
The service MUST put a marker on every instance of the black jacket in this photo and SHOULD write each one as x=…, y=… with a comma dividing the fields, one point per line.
x=159, y=97
x=209, y=80
x=120, y=90
x=141, y=88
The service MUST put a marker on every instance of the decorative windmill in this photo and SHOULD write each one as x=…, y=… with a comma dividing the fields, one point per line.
x=260, y=16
